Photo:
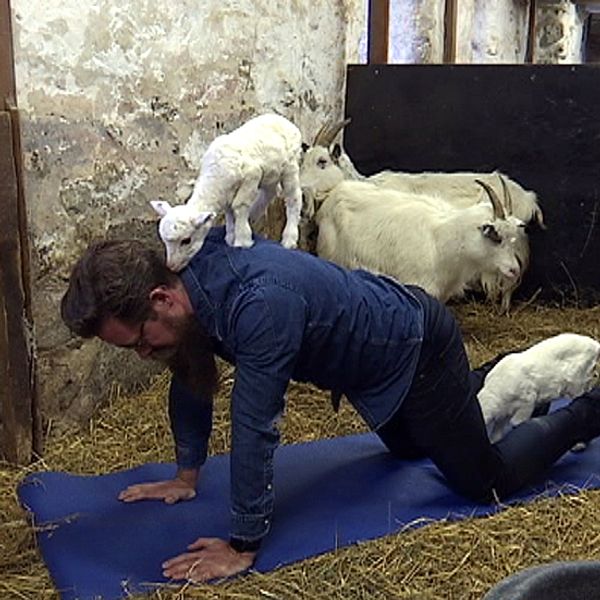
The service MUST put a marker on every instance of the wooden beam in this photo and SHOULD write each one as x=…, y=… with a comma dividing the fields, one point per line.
x=530, y=52
x=450, y=34
x=20, y=433
x=379, y=31
x=7, y=70
x=16, y=353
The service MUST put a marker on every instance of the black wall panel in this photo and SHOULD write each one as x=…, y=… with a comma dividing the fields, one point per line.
x=539, y=124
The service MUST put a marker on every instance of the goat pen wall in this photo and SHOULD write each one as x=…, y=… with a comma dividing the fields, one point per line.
x=118, y=102
x=536, y=123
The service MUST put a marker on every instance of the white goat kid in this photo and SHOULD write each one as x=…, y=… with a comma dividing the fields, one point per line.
x=419, y=240
x=240, y=174
x=562, y=366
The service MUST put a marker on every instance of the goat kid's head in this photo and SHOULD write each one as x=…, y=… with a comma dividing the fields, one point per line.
x=182, y=231
x=502, y=234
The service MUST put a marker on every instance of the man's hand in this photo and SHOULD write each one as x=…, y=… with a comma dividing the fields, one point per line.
x=211, y=558
x=183, y=487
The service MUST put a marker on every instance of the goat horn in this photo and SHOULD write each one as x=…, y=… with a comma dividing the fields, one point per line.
x=496, y=202
x=508, y=203
x=327, y=133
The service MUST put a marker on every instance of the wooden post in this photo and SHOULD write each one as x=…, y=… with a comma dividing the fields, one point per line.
x=530, y=52
x=450, y=35
x=379, y=30
x=20, y=432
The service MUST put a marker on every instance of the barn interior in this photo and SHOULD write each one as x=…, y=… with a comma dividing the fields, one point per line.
x=106, y=106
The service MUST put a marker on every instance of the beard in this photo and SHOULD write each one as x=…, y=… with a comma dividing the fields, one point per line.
x=192, y=359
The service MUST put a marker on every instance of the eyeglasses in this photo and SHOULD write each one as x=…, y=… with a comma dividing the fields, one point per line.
x=141, y=341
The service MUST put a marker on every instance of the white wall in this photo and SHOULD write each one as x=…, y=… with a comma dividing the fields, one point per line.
x=118, y=102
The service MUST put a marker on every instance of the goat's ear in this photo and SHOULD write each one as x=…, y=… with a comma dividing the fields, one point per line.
x=336, y=152
x=489, y=231
x=202, y=218
x=162, y=207
x=305, y=147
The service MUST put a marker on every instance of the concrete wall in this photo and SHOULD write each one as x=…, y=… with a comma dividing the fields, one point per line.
x=559, y=33
x=120, y=99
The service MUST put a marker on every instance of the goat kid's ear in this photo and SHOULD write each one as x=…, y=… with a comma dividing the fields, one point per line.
x=162, y=207
x=202, y=218
x=336, y=152
x=489, y=231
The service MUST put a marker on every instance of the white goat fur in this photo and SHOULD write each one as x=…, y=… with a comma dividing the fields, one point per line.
x=321, y=171
x=560, y=366
x=240, y=174
x=420, y=240
x=461, y=190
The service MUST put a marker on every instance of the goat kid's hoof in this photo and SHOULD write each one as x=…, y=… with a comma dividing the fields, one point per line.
x=244, y=244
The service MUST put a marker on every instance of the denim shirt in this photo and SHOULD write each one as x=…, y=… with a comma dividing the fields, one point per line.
x=281, y=314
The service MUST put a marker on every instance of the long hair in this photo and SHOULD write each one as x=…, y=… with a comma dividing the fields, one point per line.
x=194, y=362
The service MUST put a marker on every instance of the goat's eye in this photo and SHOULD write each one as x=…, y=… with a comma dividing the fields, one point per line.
x=186, y=241
x=489, y=231
x=322, y=163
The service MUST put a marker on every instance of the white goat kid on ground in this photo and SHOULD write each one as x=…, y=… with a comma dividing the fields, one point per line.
x=420, y=240
x=240, y=174
x=563, y=366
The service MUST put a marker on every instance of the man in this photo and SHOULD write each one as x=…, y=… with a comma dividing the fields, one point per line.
x=392, y=350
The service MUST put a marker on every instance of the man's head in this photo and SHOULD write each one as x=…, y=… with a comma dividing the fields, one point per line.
x=123, y=293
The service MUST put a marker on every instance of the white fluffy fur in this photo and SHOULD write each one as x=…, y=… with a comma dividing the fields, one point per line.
x=419, y=240
x=322, y=169
x=560, y=366
x=240, y=174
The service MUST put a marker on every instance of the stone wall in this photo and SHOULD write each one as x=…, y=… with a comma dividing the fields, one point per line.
x=118, y=102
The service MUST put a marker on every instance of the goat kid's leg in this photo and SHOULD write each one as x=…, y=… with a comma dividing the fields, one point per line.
x=229, y=227
x=240, y=206
x=264, y=198
x=292, y=195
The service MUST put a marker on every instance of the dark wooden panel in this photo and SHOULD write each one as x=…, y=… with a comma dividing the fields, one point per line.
x=16, y=366
x=450, y=37
x=537, y=123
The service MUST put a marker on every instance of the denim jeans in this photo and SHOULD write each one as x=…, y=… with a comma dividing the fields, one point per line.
x=441, y=419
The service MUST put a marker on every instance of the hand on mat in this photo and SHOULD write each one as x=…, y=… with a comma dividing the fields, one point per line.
x=212, y=558
x=170, y=491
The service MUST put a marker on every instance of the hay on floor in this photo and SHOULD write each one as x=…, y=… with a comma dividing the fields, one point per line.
x=459, y=560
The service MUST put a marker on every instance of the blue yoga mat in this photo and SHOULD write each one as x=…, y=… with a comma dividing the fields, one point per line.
x=329, y=493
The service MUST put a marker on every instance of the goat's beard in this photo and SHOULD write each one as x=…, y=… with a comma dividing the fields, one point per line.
x=192, y=359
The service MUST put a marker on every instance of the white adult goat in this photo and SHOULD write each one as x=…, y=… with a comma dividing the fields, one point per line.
x=419, y=240
x=240, y=175
x=560, y=366
x=324, y=165
x=461, y=189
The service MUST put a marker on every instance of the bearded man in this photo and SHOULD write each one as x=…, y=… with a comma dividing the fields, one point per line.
x=392, y=350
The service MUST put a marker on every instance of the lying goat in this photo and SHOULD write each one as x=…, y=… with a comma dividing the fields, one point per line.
x=239, y=176
x=420, y=240
x=324, y=165
x=461, y=189
x=562, y=366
